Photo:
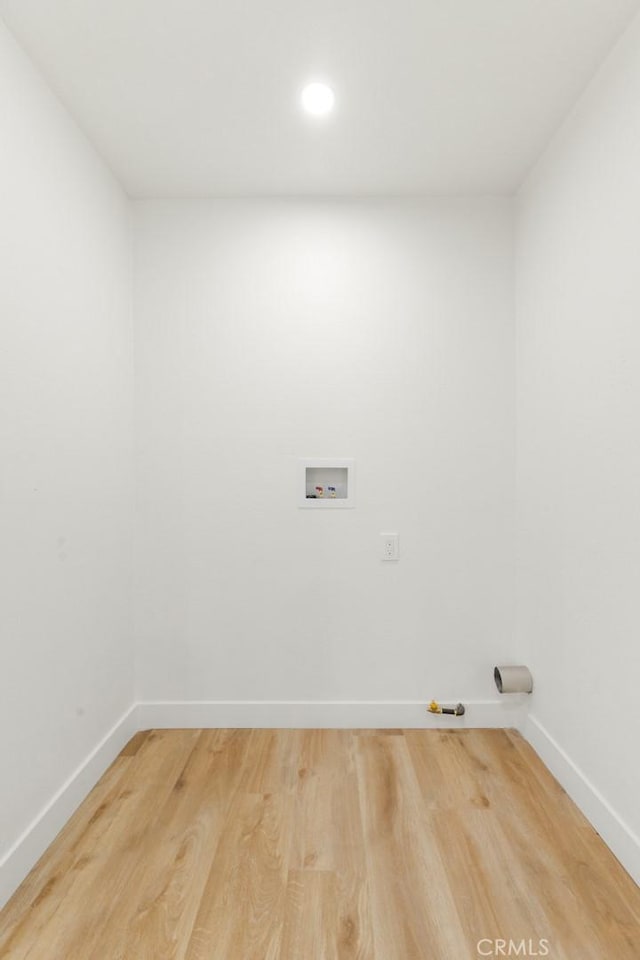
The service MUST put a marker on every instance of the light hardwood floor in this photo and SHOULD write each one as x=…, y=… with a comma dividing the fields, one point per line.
x=324, y=845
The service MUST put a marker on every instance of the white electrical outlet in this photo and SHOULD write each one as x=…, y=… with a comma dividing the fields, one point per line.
x=390, y=547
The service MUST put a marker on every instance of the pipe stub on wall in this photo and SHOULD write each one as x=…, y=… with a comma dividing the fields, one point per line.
x=515, y=679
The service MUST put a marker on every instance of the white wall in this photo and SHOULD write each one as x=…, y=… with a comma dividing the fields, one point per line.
x=578, y=292
x=65, y=444
x=272, y=330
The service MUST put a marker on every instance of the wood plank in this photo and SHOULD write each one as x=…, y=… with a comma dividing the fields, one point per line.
x=413, y=908
x=328, y=834
x=311, y=916
x=242, y=909
x=135, y=743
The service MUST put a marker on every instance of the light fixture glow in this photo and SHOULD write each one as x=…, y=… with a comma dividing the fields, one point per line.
x=318, y=99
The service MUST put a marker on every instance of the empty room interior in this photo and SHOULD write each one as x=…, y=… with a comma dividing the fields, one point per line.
x=320, y=479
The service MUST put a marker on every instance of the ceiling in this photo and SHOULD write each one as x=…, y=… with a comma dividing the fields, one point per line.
x=200, y=97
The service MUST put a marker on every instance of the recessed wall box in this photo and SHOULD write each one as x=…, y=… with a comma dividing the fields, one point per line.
x=326, y=483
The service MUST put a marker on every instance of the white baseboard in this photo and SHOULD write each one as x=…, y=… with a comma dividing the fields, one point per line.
x=40, y=833
x=356, y=714
x=620, y=839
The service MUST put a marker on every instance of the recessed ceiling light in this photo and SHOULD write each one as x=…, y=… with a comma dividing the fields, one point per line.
x=318, y=99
